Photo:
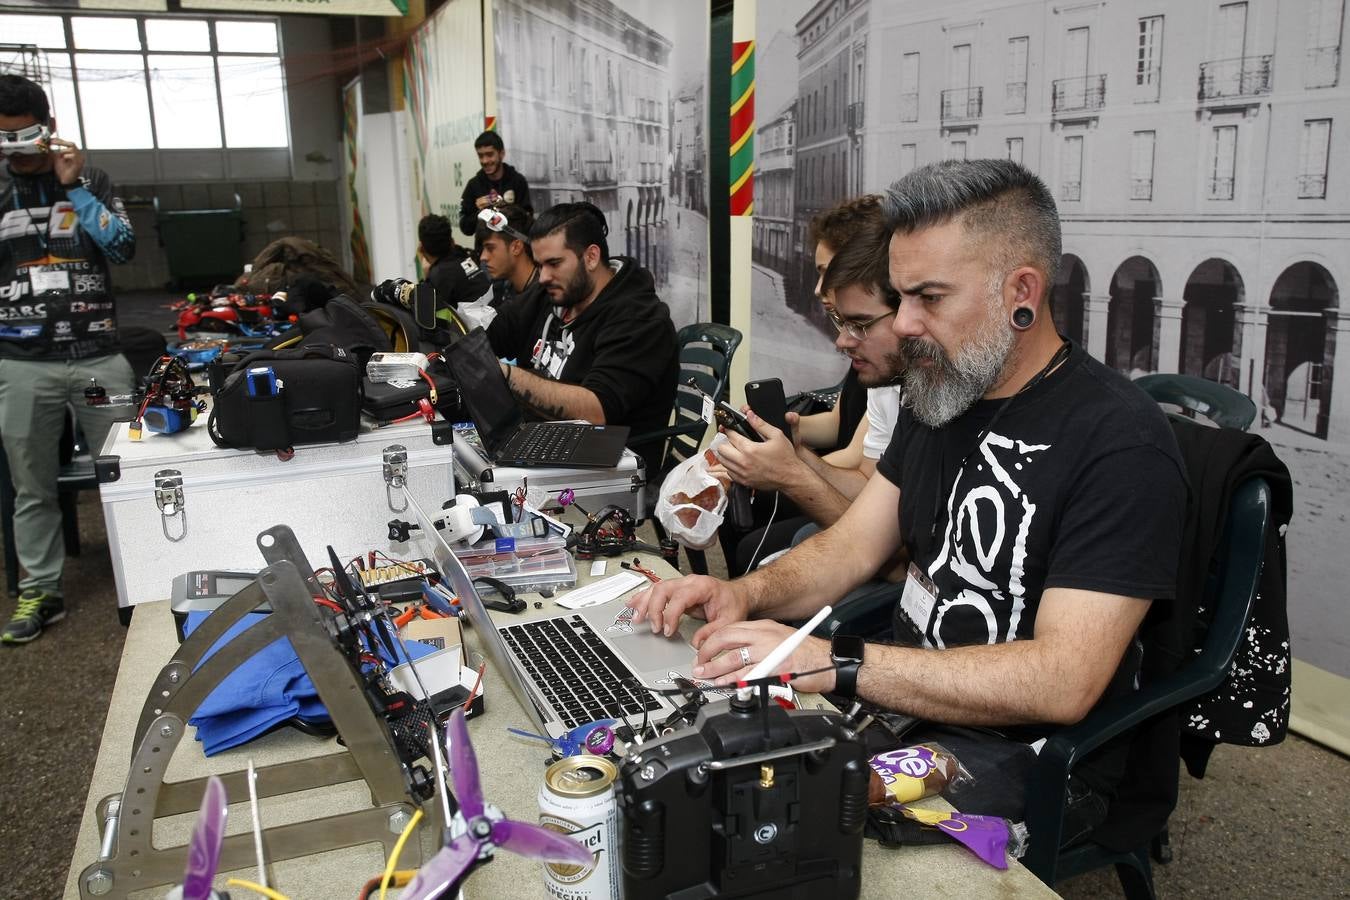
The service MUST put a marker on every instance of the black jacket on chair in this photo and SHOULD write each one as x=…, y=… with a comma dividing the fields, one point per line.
x=1217, y=461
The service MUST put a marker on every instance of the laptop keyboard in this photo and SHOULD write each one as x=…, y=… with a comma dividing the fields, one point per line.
x=579, y=675
x=547, y=442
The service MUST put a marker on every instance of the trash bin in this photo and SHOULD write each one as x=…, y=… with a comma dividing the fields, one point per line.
x=204, y=247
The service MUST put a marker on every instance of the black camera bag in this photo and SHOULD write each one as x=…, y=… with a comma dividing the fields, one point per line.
x=317, y=399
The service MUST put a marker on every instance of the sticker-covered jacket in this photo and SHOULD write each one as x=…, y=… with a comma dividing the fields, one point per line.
x=55, y=246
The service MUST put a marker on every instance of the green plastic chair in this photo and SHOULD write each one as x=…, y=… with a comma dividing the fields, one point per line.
x=706, y=351
x=1230, y=593
x=1219, y=403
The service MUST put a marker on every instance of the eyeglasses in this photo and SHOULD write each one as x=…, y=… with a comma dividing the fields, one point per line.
x=855, y=330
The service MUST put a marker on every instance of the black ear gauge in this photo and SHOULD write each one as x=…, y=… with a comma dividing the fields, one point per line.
x=1023, y=317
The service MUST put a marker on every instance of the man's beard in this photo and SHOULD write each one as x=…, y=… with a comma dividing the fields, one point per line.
x=938, y=393
x=890, y=371
x=575, y=290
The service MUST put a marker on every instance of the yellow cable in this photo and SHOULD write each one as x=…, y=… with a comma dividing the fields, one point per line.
x=398, y=848
x=256, y=888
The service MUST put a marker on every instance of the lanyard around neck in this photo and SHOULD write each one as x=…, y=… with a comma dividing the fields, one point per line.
x=1060, y=356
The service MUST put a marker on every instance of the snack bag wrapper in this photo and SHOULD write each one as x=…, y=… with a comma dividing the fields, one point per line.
x=912, y=773
x=991, y=838
x=692, y=500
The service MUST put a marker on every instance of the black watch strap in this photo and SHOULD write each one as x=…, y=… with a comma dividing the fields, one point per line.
x=846, y=679
x=846, y=652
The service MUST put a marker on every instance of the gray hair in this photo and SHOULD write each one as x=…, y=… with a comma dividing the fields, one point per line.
x=995, y=199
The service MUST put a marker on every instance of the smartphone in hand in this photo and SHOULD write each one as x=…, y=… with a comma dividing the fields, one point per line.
x=766, y=398
x=733, y=419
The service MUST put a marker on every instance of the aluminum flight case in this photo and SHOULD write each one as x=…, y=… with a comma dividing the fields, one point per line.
x=624, y=485
x=176, y=503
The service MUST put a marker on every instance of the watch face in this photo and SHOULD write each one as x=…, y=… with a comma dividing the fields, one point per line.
x=847, y=648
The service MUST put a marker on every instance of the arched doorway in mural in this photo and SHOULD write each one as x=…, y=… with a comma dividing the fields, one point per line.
x=1067, y=297
x=1209, y=345
x=1131, y=345
x=1299, y=349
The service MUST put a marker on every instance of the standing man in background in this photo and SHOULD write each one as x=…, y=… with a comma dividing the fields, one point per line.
x=495, y=184
x=60, y=226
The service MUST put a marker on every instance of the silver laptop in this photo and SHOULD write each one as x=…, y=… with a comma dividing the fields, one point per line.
x=574, y=668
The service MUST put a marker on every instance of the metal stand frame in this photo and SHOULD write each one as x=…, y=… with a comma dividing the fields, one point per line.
x=129, y=862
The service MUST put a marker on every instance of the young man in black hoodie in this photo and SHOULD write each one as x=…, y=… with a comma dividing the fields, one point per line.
x=451, y=269
x=495, y=184
x=592, y=341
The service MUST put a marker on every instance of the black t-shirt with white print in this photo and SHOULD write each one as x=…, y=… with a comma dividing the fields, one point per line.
x=622, y=348
x=1079, y=485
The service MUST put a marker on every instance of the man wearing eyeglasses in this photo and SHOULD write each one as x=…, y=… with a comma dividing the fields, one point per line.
x=60, y=226
x=860, y=309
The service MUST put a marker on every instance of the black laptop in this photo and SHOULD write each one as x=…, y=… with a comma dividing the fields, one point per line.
x=510, y=441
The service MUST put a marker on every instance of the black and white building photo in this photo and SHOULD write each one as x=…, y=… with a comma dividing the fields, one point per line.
x=1193, y=150
x=606, y=102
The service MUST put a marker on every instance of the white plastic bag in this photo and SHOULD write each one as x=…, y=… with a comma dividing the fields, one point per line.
x=692, y=501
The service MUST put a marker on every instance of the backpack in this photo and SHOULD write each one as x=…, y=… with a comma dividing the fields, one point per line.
x=341, y=322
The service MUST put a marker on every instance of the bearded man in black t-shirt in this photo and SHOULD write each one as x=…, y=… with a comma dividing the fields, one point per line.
x=1039, y=496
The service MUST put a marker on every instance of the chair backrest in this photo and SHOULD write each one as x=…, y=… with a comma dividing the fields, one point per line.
x=706, y=351
x=1231, y=592
x=1217, y=402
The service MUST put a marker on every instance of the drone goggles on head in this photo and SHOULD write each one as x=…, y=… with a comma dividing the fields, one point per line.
x=495, y=220
x=30, y=141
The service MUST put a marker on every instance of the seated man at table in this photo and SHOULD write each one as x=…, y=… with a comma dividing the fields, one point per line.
x=834, y=438
x=1039, y=495
x=595, y=343
x=860, y=309
x=506, y=255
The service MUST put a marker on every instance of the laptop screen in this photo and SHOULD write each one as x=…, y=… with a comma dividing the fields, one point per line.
x=483, y=388
x=472, y=605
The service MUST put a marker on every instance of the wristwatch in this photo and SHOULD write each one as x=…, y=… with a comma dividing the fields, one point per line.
x=846, y=652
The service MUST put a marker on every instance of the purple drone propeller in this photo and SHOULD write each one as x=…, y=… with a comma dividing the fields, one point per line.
x=484, y=828
x=207, y=836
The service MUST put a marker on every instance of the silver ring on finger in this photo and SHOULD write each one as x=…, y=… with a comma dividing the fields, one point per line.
x=745, y=656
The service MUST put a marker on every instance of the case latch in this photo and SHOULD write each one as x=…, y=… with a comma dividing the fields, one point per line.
x=169, y=499
x=395, y=475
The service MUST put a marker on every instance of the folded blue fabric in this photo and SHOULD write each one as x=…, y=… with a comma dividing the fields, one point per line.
x=269, y=688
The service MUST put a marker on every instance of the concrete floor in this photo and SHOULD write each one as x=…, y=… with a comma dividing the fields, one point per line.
x=1263, y=823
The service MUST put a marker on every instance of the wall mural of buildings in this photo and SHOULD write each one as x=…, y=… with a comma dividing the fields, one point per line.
x=606, y=102
x=1198, y=152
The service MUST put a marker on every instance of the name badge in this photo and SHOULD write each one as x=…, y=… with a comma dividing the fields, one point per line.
x=919, y=598
x=46, y=278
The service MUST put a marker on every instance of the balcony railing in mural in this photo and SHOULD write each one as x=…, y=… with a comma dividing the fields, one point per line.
x=853, y=117
x=1221, y=188
x=1147, y=85
x=1141, y=188
x=962, y=104
x=1322, y=67
x=1080, y=94
x=1071, y=190
x=1015, y=97
x=1243, y=76
x=909, y=107
x=598, y=175
x=1312, y=187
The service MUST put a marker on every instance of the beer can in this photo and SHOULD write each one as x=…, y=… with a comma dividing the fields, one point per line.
x=577, y=799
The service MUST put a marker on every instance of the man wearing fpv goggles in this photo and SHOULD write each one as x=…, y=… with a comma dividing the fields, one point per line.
x=35, y=140
x=60, y=226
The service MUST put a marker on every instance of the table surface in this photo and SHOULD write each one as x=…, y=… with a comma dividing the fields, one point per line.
x=511, y=768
